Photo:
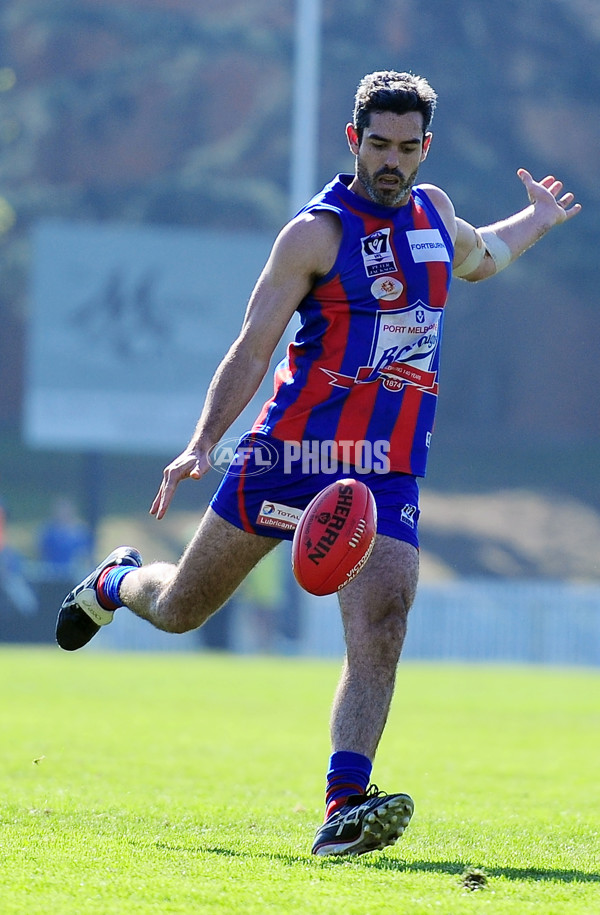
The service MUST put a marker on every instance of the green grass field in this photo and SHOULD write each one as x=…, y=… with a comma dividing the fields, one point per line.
x=193, y=783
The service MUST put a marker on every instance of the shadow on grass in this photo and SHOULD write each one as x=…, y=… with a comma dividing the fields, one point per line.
x=383, y=863
x=458, y=867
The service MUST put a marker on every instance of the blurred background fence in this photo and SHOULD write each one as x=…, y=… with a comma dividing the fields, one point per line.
x=481, y=620
x=477, y=620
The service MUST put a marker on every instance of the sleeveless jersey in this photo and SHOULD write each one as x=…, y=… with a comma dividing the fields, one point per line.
x=364, y=364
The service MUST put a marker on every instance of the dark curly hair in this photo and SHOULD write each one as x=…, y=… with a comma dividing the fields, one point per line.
x=387, y=90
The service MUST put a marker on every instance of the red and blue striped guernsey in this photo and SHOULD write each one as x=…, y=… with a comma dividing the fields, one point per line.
x=365, y=361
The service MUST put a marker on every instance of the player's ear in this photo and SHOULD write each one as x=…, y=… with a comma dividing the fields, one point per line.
x=426, y=144
x=352, y=138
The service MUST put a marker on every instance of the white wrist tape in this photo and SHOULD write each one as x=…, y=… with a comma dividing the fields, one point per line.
x=473, y=258
x=497, y=249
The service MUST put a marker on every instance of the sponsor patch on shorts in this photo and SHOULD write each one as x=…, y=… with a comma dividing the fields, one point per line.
x=274, y=514
x=407, y=515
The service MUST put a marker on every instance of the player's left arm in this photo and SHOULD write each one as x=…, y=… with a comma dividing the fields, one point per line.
x=482, y=252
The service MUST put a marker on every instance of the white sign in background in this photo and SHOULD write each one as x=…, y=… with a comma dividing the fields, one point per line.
x=128, y=325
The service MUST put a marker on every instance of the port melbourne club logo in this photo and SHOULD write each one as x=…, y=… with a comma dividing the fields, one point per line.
x=404, y=351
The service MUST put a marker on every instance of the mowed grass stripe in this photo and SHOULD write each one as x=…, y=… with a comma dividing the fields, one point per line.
x=193, y=783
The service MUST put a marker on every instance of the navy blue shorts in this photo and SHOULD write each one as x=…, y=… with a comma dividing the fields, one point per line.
x=264, y=492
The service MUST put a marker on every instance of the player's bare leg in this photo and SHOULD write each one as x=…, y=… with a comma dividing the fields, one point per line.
x=182, y=597
x=374, y=612
x=175, y=598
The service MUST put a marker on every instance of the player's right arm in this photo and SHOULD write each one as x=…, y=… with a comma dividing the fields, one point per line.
x=305, y=250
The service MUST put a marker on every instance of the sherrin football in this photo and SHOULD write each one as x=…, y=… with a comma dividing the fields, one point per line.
x=334, y=537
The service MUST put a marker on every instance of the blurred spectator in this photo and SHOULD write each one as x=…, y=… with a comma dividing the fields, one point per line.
x=16, y=594
x=65, y=542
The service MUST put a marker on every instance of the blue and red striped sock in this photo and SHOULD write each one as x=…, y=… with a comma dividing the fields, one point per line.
x=107, y=587
x=349, y=773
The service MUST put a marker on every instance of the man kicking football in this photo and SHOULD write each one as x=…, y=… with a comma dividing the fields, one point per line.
x=367, y=265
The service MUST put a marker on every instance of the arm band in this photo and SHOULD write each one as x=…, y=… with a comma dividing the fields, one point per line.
x=473, y=258
x=497, y=249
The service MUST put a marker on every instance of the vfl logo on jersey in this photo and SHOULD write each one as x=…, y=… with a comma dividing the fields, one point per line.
x=377, y=254
x=404, y=351
x=407, y=515
x=427, y=245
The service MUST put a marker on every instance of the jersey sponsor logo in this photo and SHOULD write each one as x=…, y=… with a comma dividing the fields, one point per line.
x=404, y=350
x=377, y=253
x=386, y=289
x=283, y=517
x=427, y=245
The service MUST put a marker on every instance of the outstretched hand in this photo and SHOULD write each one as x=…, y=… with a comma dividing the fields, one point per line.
x=189, y=465
x=544, y=196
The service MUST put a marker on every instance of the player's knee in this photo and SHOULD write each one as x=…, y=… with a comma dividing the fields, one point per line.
x=179, y=613
x=393, y=611
x=395, y=617
x=178, y=623
x=387, y=625
x=179, y=618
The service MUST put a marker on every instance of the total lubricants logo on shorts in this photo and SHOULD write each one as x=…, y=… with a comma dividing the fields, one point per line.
x=251, y=456
x=404, y=351
x=283, y=517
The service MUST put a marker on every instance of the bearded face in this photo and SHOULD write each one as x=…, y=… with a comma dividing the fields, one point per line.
x=388, y=155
